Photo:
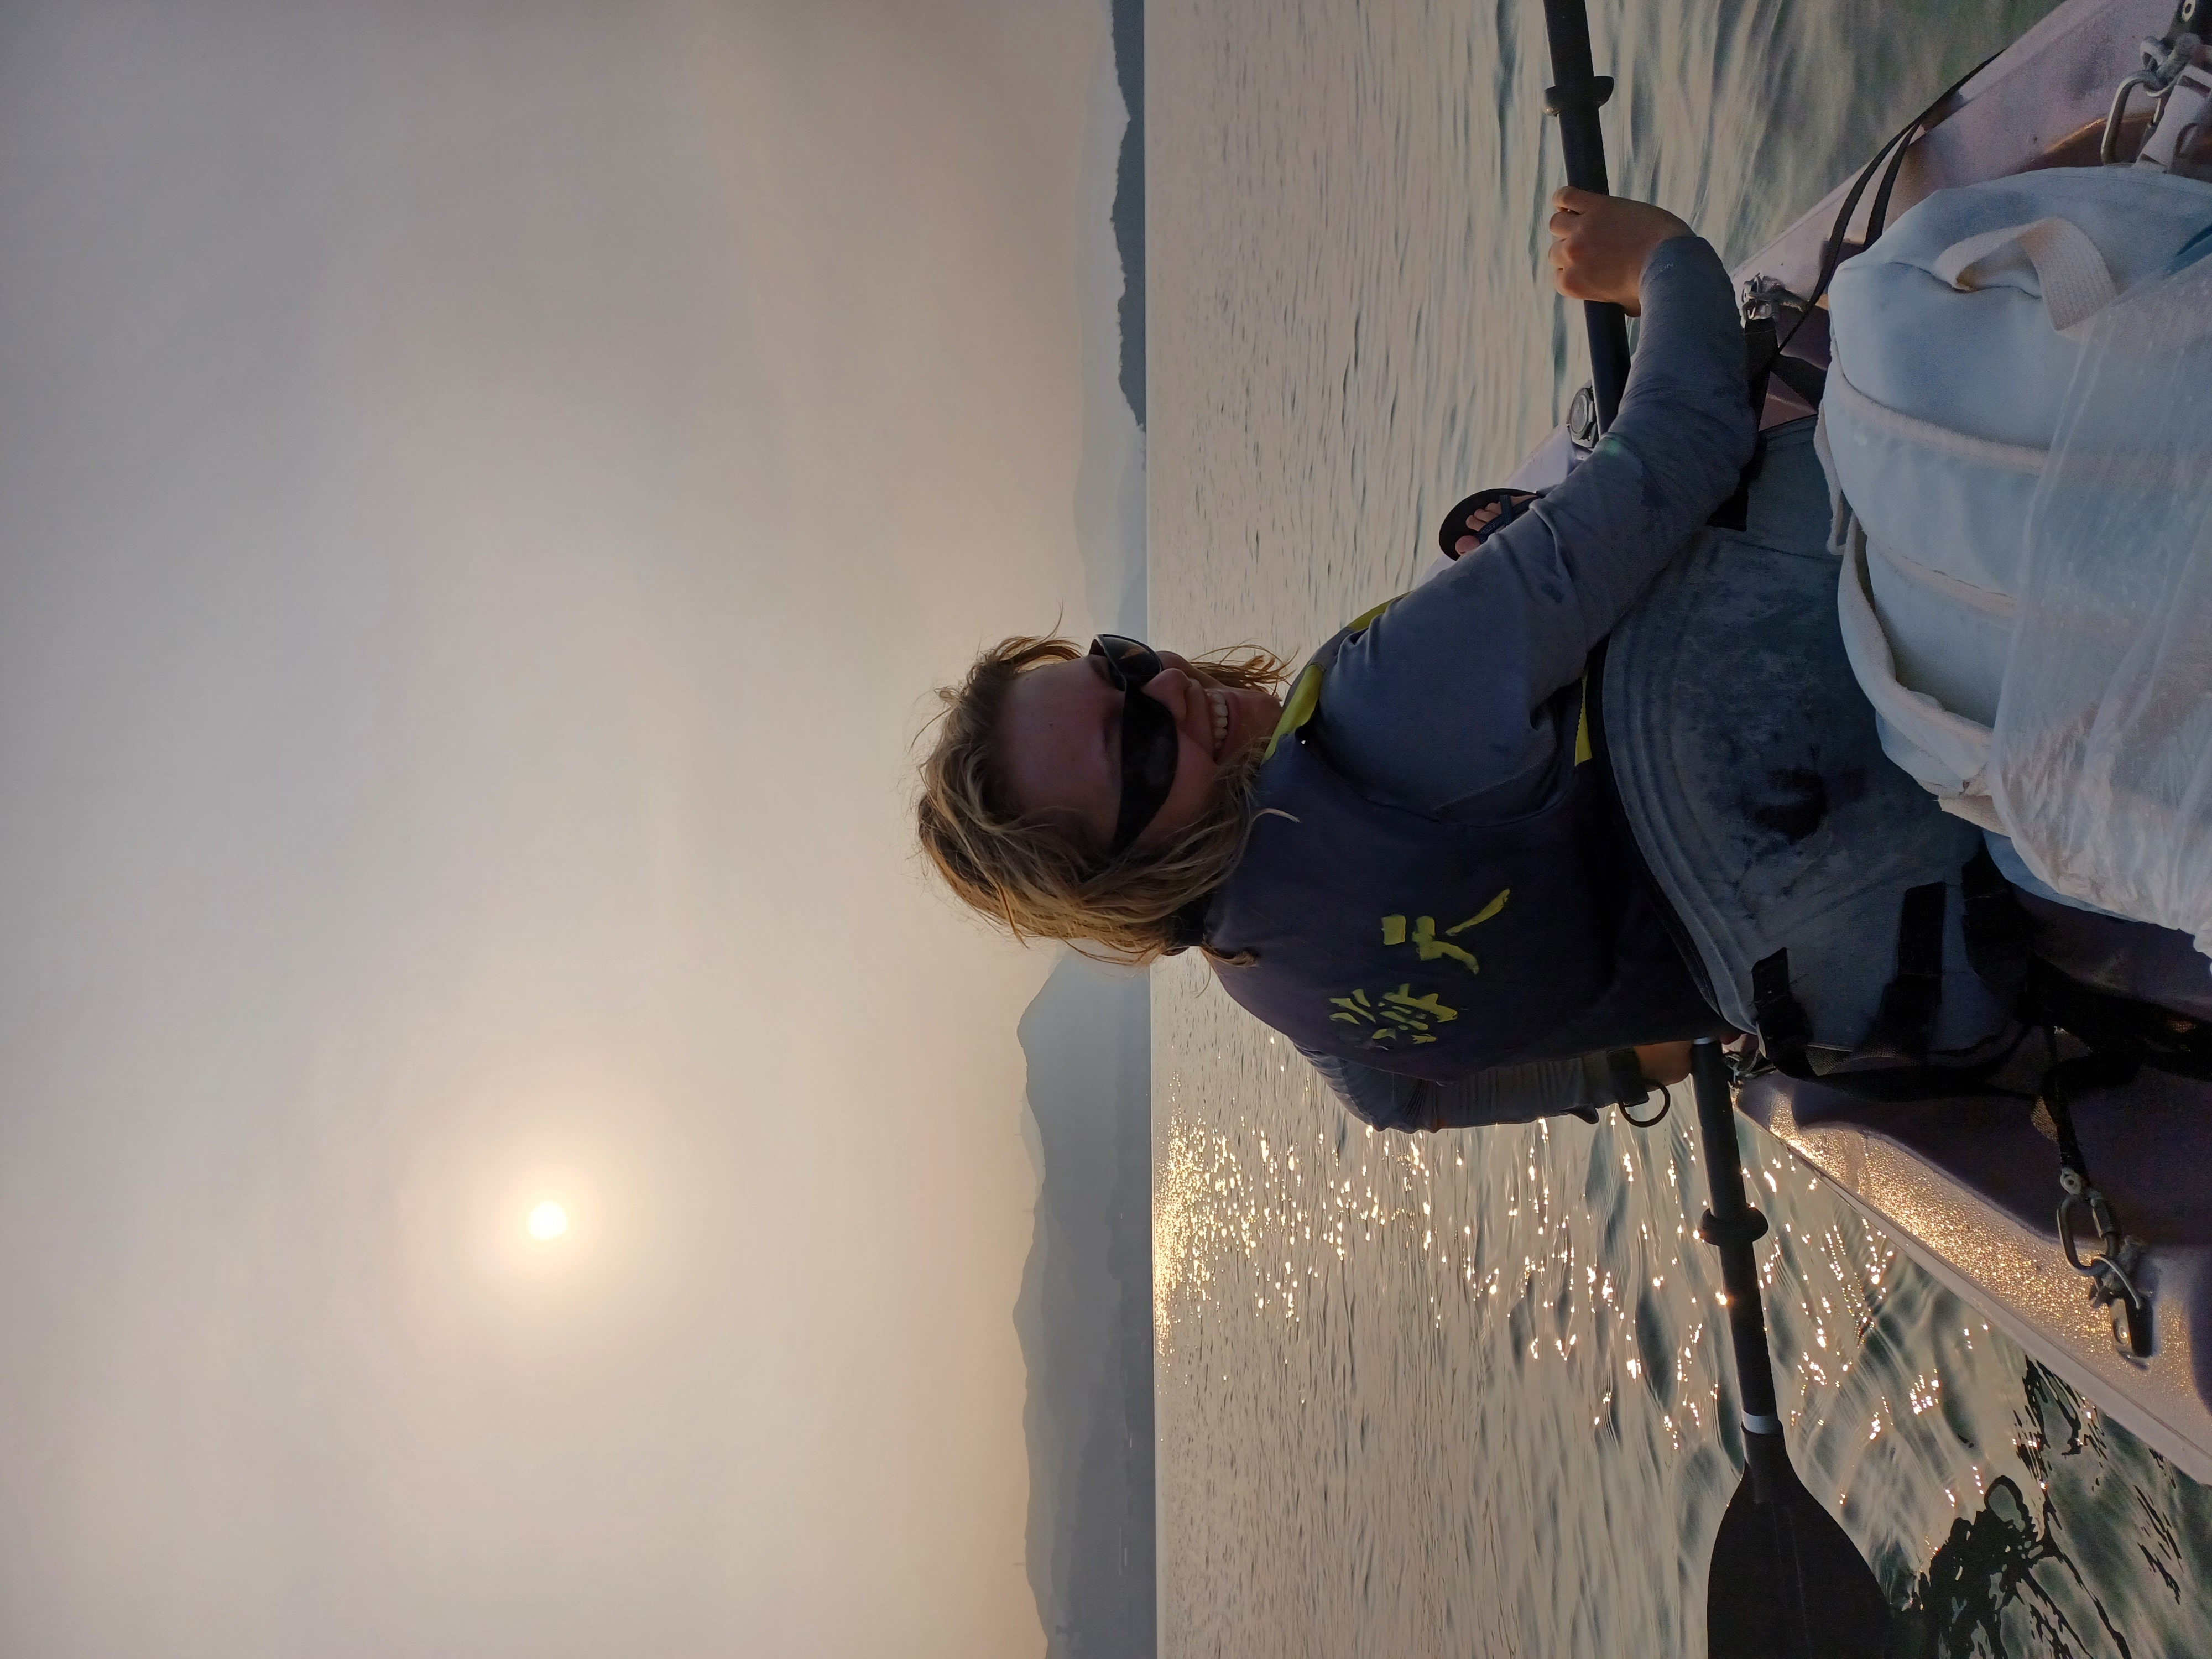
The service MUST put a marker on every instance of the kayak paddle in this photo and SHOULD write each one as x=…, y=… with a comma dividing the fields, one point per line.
x=1575, y=100
x=1787, y=1581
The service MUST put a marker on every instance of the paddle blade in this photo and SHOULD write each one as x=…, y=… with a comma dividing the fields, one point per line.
x=1788, y=1583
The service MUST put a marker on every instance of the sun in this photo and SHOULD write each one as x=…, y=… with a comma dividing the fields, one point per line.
x=549, y=1221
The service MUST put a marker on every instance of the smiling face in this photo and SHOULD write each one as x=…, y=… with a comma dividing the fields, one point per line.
x=1060, y=740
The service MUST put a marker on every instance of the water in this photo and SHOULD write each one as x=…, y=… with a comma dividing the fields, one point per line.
x=1462, y=1395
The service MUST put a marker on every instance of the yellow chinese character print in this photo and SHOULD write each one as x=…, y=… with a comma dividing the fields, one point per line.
x=1402, y=1004
x=1357, y=1009
x=1393, y=1015
x=1423, y=936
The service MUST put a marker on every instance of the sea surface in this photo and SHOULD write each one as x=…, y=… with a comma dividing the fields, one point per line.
x=1457, y=1394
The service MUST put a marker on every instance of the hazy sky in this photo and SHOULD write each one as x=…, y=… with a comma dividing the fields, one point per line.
x=483, y=487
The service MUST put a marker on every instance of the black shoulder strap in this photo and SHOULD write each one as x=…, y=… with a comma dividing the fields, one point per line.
x=1891, y=1065
x=1759, y=352
x=2000, y=942
x=1906, y=1019
x=1783, y=1031
x=2120, y=1028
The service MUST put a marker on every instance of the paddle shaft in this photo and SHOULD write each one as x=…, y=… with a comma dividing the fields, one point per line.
x=1575, y=98
x=1731, y=1226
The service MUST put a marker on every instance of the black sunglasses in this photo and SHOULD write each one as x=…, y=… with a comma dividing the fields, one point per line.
x=1150, y=741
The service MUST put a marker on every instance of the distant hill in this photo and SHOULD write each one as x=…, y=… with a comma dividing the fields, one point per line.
x=1086, y=1315
x=1129, y=198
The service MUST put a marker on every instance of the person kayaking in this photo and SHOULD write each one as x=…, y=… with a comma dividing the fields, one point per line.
x=1514, y=839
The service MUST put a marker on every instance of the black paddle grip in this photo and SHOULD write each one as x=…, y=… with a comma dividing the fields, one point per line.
x=1575, y=100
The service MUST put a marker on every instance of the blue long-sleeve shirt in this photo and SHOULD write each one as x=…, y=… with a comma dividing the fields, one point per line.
x=1445, y=700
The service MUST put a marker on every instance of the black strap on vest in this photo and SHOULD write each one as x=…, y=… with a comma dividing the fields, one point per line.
x=1760, y=351
x=1632, y=1088
x=1906, y=1019
x=1808, y=380
x=1891, y=1064
x=1626, y=1073
x=1999, y=944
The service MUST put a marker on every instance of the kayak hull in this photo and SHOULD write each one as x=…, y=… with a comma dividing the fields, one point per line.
x=1971, y=1193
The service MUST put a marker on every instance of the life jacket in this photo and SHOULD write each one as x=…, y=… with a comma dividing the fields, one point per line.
x=1437, y=948
x=1752, y=774
x=1862, y=931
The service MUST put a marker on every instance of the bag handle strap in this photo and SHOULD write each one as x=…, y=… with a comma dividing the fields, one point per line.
x=2077, y=282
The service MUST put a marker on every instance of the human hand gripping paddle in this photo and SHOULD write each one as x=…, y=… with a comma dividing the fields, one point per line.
x=1787, y=1581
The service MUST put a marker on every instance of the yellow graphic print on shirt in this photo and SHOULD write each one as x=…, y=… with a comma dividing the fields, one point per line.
x=1393, y=1018
x=1423, y=936
x=1393, y=1015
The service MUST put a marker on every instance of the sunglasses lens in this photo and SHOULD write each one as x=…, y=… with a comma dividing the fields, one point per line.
x=1129, y=663
x=1149, y=740
x=1148, y=763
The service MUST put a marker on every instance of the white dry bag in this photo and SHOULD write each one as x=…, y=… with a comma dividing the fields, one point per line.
x=1957, y=336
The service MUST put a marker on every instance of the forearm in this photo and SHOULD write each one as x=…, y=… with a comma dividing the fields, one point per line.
x=1674, y=454
x=1686, y=409
x=1580, y=1086
x=1516, y=1094
x=1442, y=700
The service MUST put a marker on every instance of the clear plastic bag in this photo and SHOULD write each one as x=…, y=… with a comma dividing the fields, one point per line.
x=2100, y=764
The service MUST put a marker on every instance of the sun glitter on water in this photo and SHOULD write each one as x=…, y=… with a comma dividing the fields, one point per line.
x=1189, y=1221
x=548, y=1220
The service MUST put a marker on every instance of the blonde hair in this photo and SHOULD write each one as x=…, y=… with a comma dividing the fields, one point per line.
x=1026, y=871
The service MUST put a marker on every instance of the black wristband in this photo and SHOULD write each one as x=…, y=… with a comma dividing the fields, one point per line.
x=1630, y=1086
